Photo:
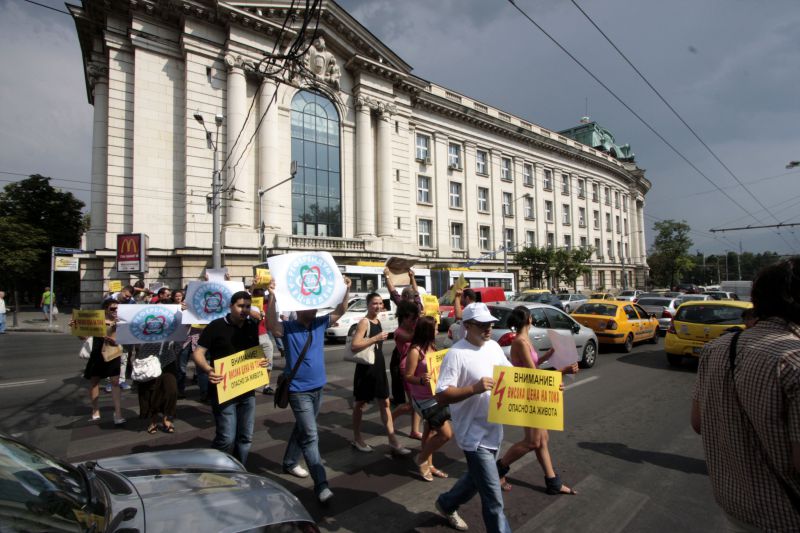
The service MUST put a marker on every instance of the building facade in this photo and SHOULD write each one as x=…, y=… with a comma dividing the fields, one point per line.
x=386, y=163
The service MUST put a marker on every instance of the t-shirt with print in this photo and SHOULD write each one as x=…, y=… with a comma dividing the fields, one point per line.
x=311, y=374
x=221, y=338
x=464, y=364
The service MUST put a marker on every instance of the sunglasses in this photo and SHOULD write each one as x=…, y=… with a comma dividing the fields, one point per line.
x=481, y=325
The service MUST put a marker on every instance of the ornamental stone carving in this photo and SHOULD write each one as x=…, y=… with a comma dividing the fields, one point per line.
x=96, y=72
x=383, y=109
x=322, y=64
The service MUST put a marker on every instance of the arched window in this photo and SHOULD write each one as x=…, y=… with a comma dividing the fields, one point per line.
x=316, y=188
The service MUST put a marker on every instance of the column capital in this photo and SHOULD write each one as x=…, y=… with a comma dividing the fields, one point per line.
x=234, y=61
x=385, y=110
x=97, y=72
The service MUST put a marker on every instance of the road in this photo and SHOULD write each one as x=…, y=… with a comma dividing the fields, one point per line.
x=627, y=448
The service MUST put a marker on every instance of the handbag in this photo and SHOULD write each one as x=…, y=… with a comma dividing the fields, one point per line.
x=147, y=368
x=110, y=352
x=282, y=387
x=361, y=357
x=86, y=349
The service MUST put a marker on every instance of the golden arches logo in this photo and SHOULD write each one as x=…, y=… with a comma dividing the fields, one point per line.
x=129, y=245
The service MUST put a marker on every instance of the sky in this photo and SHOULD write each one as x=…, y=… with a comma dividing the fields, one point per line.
x=730, y=68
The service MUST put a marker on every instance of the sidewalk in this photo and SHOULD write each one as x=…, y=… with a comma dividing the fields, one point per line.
x=33, y=320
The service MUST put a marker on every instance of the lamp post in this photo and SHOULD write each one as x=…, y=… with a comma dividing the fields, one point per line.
x=216, y=216
x=261, y=251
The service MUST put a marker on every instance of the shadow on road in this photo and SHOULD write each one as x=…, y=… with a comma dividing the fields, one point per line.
x=656, y=360
x=689, y=465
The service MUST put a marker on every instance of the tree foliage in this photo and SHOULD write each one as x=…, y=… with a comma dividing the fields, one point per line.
x=669, y=257
x=537, y=261
x=547, y=263
x=575, y=265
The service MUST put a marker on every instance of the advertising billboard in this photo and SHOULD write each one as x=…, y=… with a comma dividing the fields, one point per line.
x=132, y=252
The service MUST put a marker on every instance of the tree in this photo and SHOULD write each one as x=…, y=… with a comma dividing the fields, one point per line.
x=575, y=265
x=537, y=261
x=21, y=246
x=37, y=210
x=669, y=257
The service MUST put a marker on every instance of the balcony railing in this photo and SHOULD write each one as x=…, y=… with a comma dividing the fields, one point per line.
x=303, y=242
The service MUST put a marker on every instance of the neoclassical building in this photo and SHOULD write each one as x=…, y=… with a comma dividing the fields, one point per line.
x=386, y=163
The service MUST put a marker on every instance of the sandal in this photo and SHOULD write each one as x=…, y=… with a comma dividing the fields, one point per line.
x=168, y=428
x=152, y=429
x=554, y=487
x=425, y=472
x=415, y=435
x=505, y=486
x=438, y=473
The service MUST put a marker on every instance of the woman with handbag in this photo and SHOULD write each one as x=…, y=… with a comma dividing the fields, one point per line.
x=104, y=362
x=437, y=426
x=369, y=380
x=155, y=369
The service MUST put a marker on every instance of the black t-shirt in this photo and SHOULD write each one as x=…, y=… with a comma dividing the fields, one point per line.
x=221, y=338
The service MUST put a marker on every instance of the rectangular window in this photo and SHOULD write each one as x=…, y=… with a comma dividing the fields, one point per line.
x=616, y=199
x=584, y=243
x=601, y=278
x=527, y=203
x=568, y=242
x=423, y=148
x=613, y=278
x=507, y=207
x=581, y=188
x=548, y=211
x=457, y=236
x=598, y=252
x=619, y=250
x=625, y=225
x=627, y=255
x=564, y=183
x=530, y=239
x=607, y=194
x=547, y=182
x=527, y=174
x=619, y=229
x=455, y=194
x=483, y=199
x=551, y=240
x=625, y=202
x=484, y=233
x=565, y=214
x=595, y=192
x=482, y=162
x=454, y=156
x=582, y=217
x=506, y=173
x=423, y=190
x=608, y=222
x=596, y=219
x=587, y=280
x=424, y=231
x=609, y=250
x=508, y=235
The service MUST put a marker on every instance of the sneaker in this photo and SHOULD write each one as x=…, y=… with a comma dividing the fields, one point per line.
x=108, y=387
x=325, y=495
x=124, y=385
x=119, y=421
x=455, y=521
x=366, y=448
x=297, y=471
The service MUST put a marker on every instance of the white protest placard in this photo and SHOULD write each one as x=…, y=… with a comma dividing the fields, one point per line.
x=306, y=280
x=565, y=353
x=216, y=274
x=209, y=300
x=141, y=324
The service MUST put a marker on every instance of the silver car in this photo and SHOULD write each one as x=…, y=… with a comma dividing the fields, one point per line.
x=663, y=308
x=571, y=301
x=545, y=317
x=197, y=490
x=630, y=295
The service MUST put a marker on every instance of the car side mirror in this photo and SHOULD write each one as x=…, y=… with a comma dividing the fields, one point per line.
x=576, y=328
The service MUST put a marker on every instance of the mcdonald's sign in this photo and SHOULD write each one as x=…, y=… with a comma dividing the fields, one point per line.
x=132, y=252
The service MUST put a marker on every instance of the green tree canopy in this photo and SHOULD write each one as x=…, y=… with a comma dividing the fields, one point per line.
x=574, y=265
x=537, y=261
x=669, y=256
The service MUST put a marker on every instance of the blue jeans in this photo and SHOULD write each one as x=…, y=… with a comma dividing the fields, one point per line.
x=2, y=322
x=304, y=439
x=183, y=362
x=234, y=420
x=480, y=478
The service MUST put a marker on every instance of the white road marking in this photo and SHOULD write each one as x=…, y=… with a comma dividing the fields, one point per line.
x=22, y=383
x=581, y=382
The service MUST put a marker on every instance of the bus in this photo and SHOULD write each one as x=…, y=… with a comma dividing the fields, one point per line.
x=444, y=279
x=367, y=276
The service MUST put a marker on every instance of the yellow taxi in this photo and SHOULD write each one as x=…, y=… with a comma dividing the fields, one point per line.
x=696, y=323
x=617, y=322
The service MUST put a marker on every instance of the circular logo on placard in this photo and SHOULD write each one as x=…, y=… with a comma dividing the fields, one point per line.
x=210, y=301
x=153, y=324
x=310, y=280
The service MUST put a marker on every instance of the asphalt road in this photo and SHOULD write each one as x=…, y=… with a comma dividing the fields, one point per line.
x=627, y=448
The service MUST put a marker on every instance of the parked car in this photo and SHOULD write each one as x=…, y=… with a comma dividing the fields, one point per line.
x=618, y=322
x=699, y=322
x=683, y=298
x=630, y=295
x=483, y=294
x=663, y=308
x=346, y=325
x=542, y=296
x=571, y=301
x=722, y=295
x=545, y=317
x=198, y=490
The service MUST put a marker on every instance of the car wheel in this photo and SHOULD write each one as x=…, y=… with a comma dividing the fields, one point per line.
x=654, y=338
x=628, y=346
x=674, y=360
x=589, y=355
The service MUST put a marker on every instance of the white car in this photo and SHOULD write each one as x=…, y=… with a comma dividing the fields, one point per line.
x=630, y=295
x=357, y=310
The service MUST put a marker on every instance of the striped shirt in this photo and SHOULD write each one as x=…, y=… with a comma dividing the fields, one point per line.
x=748, y=458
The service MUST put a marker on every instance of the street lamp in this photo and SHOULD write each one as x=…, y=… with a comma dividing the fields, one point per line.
x=216, y=255
x=261, y=252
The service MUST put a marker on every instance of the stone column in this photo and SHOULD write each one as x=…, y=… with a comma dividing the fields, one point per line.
x=384, y=172
x=239, y=189
x=98, y=78
x=365, y=174
x=640, y=233
x=269, y=172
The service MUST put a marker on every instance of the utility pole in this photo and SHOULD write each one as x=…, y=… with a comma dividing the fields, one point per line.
x=216, y=188
x=262, y=253
x=739, y=260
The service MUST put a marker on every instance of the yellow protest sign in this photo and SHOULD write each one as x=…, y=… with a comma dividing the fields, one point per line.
x=263, y=277
x=460, y=283
x=114, y=285
x=89, y=323
x=434, y=362
x=241, y=372
x=527, y=397
x=430, y=307
x=257, y=302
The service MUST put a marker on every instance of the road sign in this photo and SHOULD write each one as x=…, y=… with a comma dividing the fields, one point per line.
x=67, y=251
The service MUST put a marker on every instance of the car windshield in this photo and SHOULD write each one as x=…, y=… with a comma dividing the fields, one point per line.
x=501, y=314
x=628, y=293
x=541, y=297
x=655, y=301
x=564, y=297
x=358, y=305
x=597, y=309
x=39, y=493
x=693, y=297
x=598, y=296
x=710, y=314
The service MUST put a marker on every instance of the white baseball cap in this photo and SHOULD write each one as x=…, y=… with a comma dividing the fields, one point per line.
x=477, y=312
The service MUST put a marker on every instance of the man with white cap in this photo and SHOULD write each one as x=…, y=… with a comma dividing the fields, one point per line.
x=465, y=382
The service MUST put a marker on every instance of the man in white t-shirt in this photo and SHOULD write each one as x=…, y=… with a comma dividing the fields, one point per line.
x=466, y=383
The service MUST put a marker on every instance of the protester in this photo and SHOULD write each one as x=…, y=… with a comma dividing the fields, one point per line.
x=524, y=355
x=46, y=301
x=407, y=316
x=369, y=381
x=462, y=298
x=264, y=338
x=305, y=390
x=2, y=312
x=409, y=294
x=465, y=383
x=178, y=297
x=437, y=428
x=226, y=336
x=140, y=293
x=158, y=396
x=125, y=296
x=97, y=368
x=746, y=407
